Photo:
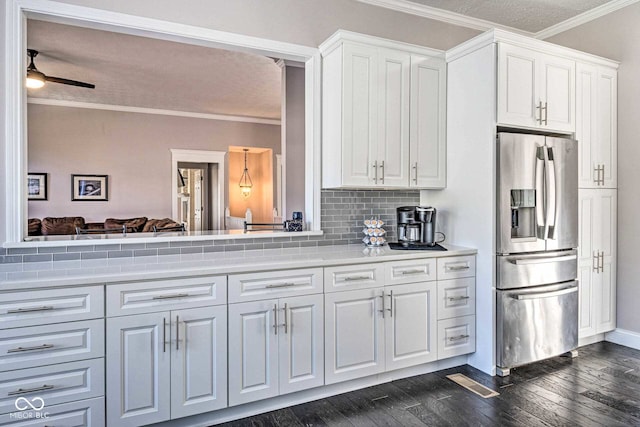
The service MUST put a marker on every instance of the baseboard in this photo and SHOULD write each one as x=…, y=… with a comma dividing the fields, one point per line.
x=624, y=337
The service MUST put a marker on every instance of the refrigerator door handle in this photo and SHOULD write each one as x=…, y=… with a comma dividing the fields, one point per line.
x=543, y=260
x=545, y=294
x=540, y=222
x=552, y=210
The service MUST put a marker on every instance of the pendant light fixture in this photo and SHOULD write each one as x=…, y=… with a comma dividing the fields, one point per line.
x=245, y=180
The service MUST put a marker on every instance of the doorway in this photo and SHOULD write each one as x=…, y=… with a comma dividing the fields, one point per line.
x=198, y=192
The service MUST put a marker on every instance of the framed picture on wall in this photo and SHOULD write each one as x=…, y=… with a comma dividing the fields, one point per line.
x=89, y=187
x=37, y=186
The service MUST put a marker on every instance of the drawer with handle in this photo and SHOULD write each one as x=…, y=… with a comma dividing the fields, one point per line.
x=456, y=297
x=159, y=295
x=66, y=382
x=456, y=267
x=456, y=336
x=84, y=413
x=28, y=308
x=418, y=270
x=351, y=277
x=49, y=344
x=274, y=284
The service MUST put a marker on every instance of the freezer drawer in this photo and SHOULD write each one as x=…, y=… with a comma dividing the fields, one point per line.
x=543, y=268
x=536, y=323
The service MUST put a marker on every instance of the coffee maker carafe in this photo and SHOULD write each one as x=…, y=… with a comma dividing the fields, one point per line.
x=416, y=225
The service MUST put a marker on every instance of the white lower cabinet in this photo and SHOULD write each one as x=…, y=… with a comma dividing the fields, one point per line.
x=372, y=330
x=597, y=261
x=84, y=413
x=275, y=347
x=165, y=365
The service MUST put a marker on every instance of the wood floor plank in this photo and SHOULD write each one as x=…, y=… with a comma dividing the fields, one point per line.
x=599, y=387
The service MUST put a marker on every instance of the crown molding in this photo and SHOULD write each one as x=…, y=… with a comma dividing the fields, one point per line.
x=429, y=12
x=442, y=15
x=583, y=18
x=141, y=110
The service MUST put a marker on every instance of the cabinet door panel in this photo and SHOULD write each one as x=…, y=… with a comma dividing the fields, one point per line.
x=586, y=124
x=607, y=125
x=354, y=334
x=586, y=298
x=427, y=143
x=301, y=343
x=517, y=86
x=410, y=329
x=199, y=362
x=253, y=351
x=360, y=104
x=138, y=370
x=393, y=118
x=557, y=75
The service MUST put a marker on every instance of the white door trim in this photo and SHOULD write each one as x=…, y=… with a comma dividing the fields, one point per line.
x=54, y=11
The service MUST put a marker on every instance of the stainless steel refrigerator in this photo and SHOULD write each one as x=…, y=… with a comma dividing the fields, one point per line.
x=537, y=237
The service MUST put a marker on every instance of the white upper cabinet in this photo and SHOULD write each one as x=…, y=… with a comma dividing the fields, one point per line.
x=383, y=114
x=535, y=90
x=596, y=127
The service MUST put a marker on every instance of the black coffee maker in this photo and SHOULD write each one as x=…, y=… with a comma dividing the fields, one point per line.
x=416, y=225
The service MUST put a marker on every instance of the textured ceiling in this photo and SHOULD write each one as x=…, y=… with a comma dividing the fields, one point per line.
x=144, y=72
x=527, y=15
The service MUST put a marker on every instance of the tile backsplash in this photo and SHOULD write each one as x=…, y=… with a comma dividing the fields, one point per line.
x=342, y=215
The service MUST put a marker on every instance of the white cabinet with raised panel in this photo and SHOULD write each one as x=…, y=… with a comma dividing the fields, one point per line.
x=535, y=90
x=381, y=328
x=597, y=261
x=383, y=114
x=596, y=127
x=166, y=364
x=275, y=333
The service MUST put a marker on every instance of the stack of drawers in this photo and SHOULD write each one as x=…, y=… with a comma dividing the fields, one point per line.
x=52, y=357
x=456, y=306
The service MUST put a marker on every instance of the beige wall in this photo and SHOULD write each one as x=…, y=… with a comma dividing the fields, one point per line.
x=133, y=149
x=295, y=154
x=306, y=22
x=617, y=36
x=260, y=166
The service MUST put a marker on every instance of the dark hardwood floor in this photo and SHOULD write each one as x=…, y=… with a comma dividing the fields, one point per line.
x=601, y=387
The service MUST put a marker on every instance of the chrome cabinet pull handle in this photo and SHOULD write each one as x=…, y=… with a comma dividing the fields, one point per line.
x=170, y=296
x=460, y=298
x=408, y=272
x=601, y=263
x=164, y=334
x=30, y=390
x=375, y=168
x=546, y=113
x=382, y=167
x=382, y=311
x=602, y=179
x=281, y=285
x=285, y=324
x=390, y=304
x=354, y=278
x=177, y=332
x=29, y=310
x=457, y=267
x=459, y=337
x=539, y=108
x=275, y=319
x=596, y=262
x=415, y=170
x=34, y=348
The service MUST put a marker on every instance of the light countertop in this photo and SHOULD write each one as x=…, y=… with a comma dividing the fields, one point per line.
x=112, y=270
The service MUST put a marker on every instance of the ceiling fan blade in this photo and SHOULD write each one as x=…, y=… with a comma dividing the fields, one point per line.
x=69, y=82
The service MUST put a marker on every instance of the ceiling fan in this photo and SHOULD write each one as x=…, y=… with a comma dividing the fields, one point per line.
x=36, y=79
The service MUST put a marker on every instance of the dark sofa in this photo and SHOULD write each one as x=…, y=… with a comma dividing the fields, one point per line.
x=55, y=226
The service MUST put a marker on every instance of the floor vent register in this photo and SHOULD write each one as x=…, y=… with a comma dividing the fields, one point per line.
x=472, y=385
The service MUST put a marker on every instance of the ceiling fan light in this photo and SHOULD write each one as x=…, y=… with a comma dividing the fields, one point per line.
x=35, y=79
